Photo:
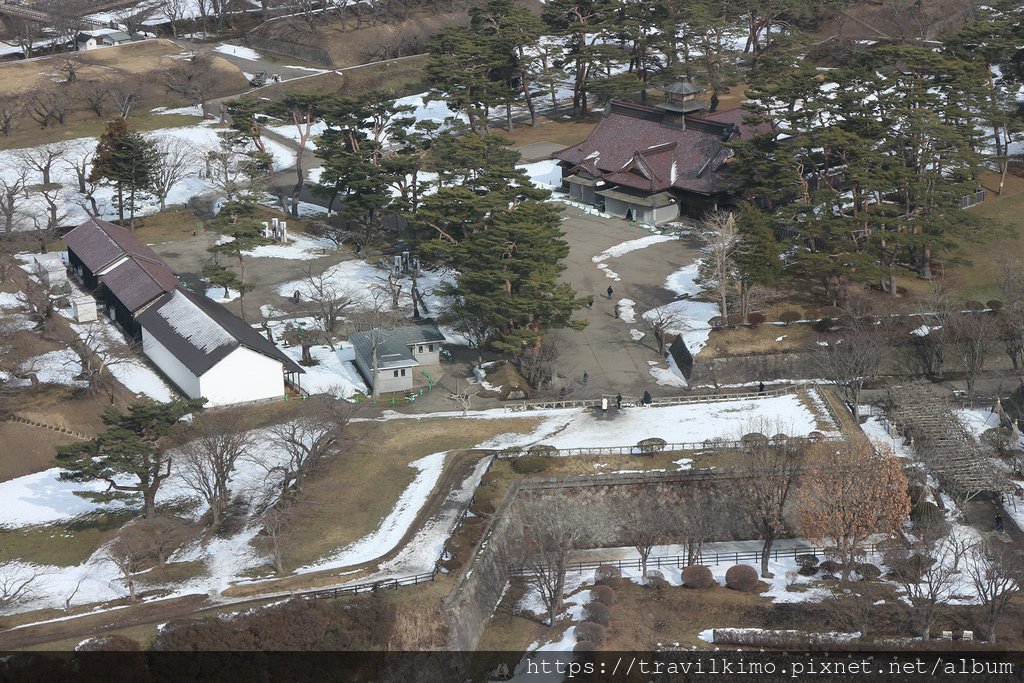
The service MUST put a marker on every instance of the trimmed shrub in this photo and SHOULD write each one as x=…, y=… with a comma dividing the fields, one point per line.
x=994, y=304
x=698, y=576
x=530, y=464
x=543, y=450
x=790, y=317
x=590, y=632
x=780, y=438
x=607, y=575
x=830, y=567
x=603, y=594
x=756, y=319
x=597, y=613
x=815, y=437
x=807, y=571
x=741, y=577
x=656, y=579
x=807, y=560
x=651, y=446
x=867, y=571
x=718, y=322
x=754, y=439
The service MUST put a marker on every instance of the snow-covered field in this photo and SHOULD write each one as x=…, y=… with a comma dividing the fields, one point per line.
x=334, y=373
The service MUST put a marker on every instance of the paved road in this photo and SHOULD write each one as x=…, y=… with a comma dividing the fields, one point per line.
x=614, y=361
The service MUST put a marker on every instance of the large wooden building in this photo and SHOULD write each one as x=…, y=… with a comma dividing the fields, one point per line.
x=650, y=164
x=199, y=345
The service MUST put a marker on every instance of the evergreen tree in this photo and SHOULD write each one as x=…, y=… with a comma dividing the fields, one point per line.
x=129, y=455
x=126, y=160
x=238, y=221
x=469, y=71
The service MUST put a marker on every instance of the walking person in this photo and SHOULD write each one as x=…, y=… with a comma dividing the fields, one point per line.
x=616, y=311
x=618, y=401
x=610, y=292
x=585, y=376
x=999, y=524
x=760, y=387
x=590, y=303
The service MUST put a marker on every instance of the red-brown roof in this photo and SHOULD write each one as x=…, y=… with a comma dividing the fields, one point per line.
x=632, y=147
x=99, y=243
x=137, y=281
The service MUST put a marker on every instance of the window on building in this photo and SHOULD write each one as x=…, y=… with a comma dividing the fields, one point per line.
x=403, y=373
x=396, y=373
x=431, y=348
x=419, y=349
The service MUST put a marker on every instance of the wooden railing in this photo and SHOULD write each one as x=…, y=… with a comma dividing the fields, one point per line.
x=555, y=403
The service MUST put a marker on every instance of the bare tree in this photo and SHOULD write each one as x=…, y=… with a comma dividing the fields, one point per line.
x=194, y=78
x=97, y=352
x=214, y=444
x=928, y=571
x=49, y=105
x=997, y=577
x=973, y=337
x=177, y=162
x=476, y=329
x=330, y=298
x=850, y=493
x=277, y=523
x=698, y=517
x=165, y=535
x=463, y=398
x=539, y=363
x=377, y=320
x=12, y=196
x=308, y=441
x=44, y=159
x=15, y=583
x=70, y=66
x=551, y=527
x=81, y=165
x=95, y=94
x=723, y=242
x=176, y=12
x=643, y=525
x=853, y=358
x=126, y=93
x=663, y=321
x=11, y=109
x=774, y=472
x=130, y=552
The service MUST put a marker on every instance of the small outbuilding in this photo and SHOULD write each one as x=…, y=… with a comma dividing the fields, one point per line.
x=400, y=352
x=104, y=37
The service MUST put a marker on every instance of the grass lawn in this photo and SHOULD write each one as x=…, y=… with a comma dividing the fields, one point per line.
x=745, y=341
x=64, y=545
x=355, y=492
x=402, y=77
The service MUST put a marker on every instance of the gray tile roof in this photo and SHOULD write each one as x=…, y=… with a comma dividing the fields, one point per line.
x=99, y=243
x=137, y=281
x=393, y=347
x=200, y=332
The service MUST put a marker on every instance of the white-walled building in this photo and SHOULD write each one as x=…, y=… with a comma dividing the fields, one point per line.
x=104, y=37
x=208, y=352
x=400, y=355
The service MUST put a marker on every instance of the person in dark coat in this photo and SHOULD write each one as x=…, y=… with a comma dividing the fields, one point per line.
x=585, y=376
x=999, y=524
x=760, y=387
x=610, y=291
x=647, y=398
x=618, y=401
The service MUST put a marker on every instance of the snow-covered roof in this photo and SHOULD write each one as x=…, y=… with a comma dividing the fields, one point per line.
x=200, y=332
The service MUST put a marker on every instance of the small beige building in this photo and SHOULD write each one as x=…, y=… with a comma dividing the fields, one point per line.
x=401, y=353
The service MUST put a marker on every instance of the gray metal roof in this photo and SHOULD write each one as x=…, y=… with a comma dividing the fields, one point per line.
x=200, y=332
x=393, y=346
x=99, y=243
x=683, y=88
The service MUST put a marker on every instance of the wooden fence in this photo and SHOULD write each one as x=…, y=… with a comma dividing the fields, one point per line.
x=521, y=406
x=368, y=586
x=973, y=199
x=702, y=558
x=685, y=446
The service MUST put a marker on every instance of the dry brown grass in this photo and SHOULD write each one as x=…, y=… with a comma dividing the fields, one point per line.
x=748, y=341
x=355, y=492
x=549, y=130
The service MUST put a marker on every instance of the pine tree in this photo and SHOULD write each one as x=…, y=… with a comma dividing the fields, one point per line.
x=240, y=222
x=128, y=161
x=130, y=455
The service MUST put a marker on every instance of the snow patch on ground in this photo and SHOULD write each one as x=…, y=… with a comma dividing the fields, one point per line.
x=239, y=51
x=395, y=525
x=690, y=317
x=334, y=373
x=546, y=174
x=624, y=248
